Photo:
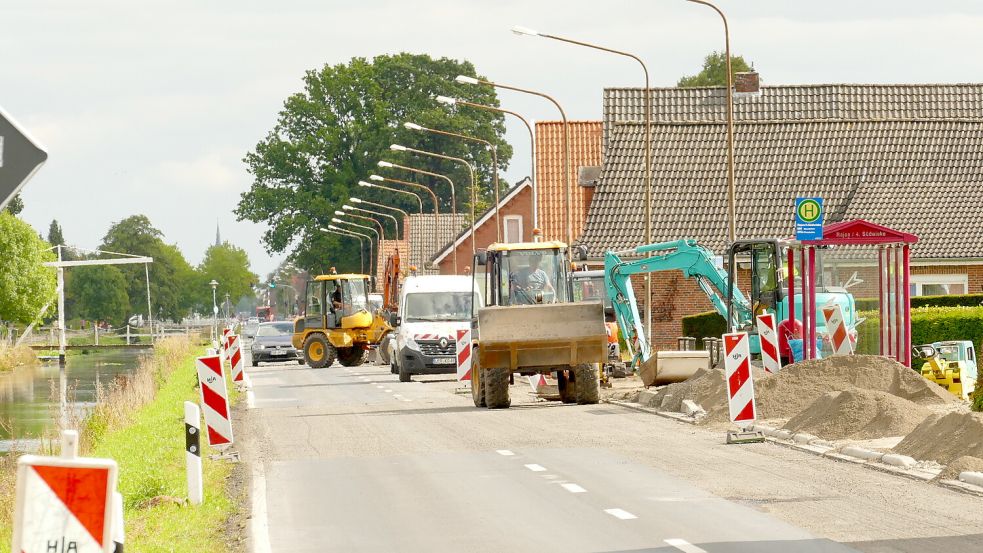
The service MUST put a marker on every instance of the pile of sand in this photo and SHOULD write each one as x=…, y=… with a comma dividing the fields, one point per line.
x=945, y=438
x=858, y=414
x=962, y=464
x=796, y=387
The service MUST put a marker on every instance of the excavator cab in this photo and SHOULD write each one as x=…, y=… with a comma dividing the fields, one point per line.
x=757, y=263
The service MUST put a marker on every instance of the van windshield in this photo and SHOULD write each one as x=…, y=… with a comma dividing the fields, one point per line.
x=438, y=306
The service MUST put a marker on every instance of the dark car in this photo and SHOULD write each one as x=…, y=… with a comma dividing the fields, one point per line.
x=272, y=343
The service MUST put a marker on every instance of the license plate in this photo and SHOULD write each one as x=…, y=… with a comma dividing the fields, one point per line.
x=278, y=352
x=445, y=361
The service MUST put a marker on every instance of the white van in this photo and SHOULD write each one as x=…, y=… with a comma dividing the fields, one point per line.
x=432, y=309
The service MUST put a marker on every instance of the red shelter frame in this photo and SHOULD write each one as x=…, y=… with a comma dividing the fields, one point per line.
x=894, y=282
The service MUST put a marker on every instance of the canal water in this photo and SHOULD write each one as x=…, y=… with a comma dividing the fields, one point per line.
x=29, y=395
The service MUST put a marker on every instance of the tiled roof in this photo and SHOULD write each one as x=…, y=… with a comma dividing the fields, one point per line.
x=585, y=150
x=923, y=177
x=388, y=247
x=480, y=220
x=424, y=247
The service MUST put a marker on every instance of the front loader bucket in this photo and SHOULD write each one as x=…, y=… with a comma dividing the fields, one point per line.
x=542, y=335
x=666, y=367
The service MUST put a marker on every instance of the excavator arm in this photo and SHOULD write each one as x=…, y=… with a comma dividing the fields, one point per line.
x=687, y=256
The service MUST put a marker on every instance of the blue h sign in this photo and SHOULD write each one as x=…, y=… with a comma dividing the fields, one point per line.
x=809, y=218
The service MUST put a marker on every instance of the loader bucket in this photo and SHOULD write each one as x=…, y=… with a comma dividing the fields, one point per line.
x=541, y=336
x=666, y=367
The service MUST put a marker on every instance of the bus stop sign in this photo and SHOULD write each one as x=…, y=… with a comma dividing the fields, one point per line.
x=809, y=219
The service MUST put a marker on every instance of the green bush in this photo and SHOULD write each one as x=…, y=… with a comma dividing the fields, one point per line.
x=961, y=300
x=703, y=325
x=928, y=324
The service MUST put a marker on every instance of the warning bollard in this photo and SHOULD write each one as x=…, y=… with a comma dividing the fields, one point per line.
x=463, y=354
x=192, y=448
x=836, y=329
x=740, y=387
x=215, y=405
x=768, y=336
x=235, y=359
x=119, y=532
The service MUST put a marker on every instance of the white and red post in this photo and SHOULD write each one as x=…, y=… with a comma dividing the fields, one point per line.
x=215, y=401
x=836, y=329
x=464, y=356
x=740, y=386
x=768, y=338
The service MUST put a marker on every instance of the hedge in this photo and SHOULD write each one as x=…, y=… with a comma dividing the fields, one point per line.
x=962, y=300
x=929, y=324
x=702, y=325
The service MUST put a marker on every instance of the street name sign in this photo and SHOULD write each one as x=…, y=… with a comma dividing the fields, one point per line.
x=20, y=158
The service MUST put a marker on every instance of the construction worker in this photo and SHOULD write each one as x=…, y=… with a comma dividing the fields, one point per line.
x=531, y=283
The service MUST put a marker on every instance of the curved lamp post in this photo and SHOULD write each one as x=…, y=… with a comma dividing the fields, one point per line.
x=436, y=204
x=350, y=208
x=378, y=239
x=361, y=245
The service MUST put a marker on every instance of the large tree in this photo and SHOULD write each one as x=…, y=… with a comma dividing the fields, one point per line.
x=15, y=205
x=25, y=284
x=333, y=133
x=229, y=266
x=100, y=293
x=714, y=72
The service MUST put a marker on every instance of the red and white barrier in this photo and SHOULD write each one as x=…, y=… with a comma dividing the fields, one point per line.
x=836, y=329
x=740, y=387
x=235, y=357
x=214, y=401
x=537, y=381
x=64, y=504
x=226, y=332
x=464, y=354
x=768, y=337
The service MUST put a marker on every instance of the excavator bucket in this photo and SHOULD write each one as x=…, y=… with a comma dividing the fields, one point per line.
x=542, y=335
x=666, y=367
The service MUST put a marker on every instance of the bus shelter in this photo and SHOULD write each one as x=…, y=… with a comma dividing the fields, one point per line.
x=893, y=249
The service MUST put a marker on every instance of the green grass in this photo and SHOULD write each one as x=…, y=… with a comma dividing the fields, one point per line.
x=149, y=449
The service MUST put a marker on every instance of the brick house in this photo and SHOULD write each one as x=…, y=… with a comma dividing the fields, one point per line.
x=904, y=156
x=515, y=214
x=585, y=159
x=427, y=235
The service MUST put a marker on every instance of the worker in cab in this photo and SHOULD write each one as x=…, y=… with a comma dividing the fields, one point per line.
x=336, y=306
x=531, y=284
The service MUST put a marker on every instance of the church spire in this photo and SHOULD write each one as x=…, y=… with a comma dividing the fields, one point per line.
x=218, y=234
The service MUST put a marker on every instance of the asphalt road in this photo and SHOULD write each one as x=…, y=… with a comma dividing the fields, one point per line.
x=353, y=460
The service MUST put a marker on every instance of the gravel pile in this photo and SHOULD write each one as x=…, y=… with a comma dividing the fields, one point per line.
x=962, y=464
x=945, y=438
x=858, y=414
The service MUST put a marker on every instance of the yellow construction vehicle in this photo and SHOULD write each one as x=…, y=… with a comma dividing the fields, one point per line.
x=950, y=364
x=337, y=321
x=530, y=324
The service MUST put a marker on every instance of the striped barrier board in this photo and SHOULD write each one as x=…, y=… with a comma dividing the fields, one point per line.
x=768, y=335
x=464, y=354
x=235, y=357
x=836, y=329
x=737, y=370
x=214, y=401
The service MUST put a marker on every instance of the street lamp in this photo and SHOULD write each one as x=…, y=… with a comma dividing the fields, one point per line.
x=381, y=232
x=494, y=151
x=731, y=186
x=474, y=196
x=436, y=204
x=532, y=144
x=406, y=215
x=352, y=234
x=349, y=208
x=648, y=150
x=419, y=199
x=214, y=285
x=464, y=79
x=390, y=165
x=378, y=239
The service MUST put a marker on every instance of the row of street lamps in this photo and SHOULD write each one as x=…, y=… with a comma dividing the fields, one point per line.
x=568, y=179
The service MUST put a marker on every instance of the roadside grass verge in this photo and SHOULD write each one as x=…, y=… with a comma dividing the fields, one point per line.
x=139, y=422
x=12, y=357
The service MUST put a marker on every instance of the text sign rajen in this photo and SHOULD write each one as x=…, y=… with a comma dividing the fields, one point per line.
x=64, y=505
x=809, y=217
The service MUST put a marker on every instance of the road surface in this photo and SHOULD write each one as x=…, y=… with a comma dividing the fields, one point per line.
x=352, y=460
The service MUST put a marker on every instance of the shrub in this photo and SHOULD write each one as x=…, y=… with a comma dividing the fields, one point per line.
x=704, y=325
x=960, y=300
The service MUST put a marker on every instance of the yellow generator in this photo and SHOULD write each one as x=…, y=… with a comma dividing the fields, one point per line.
x=338, y=322
x=950, y=364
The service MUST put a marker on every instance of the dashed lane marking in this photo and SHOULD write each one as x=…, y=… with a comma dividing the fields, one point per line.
x=685, y=546
x=388, y=391
x=573, y=488
x=620, y=513
x=536, y=468
x=504, y=452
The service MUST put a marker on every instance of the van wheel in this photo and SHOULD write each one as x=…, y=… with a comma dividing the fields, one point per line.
x=588, y=390
x=318, y=352
x=404, y=375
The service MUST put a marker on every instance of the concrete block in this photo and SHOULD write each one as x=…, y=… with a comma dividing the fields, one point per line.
x=692, y=409
x=896, y=460
x=782, y=435
x=803, y=438
x=861, y=453
x=974, y=478
x=645, y=397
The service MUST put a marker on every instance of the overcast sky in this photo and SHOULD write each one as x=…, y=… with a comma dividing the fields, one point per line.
x=148, y=107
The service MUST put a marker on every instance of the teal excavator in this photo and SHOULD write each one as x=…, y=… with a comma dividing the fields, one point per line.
x=758, y=261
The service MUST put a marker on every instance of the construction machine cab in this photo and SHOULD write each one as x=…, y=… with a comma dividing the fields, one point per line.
x=760, y=262
x=525, y=274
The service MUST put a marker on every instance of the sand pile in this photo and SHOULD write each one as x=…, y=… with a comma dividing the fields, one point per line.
x=858, y=415
x=944, y=438
x=798, y=386
x=962, y=464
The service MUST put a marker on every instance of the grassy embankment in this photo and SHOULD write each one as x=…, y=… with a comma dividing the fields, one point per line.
x=140, y=424
x=11, y=357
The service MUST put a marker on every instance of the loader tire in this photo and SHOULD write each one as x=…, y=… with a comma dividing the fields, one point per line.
x=318, y=352
x=351, y=357
x=588, y=389
x=382, y=352
x=477, y=385
x=496, y=385
x=566, y=386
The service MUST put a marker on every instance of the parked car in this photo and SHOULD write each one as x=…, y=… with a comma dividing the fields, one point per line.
x=272, y=343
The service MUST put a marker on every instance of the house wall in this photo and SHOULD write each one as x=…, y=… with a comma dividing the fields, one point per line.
x=485, y=234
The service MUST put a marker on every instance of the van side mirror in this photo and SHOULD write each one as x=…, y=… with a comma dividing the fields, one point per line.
x=481, y=258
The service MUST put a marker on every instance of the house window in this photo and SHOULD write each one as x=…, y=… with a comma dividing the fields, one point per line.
x=513, y=228
x=939, y=285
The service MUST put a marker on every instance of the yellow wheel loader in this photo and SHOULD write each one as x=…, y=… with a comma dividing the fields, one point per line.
x=530, y=324
x=338, y=322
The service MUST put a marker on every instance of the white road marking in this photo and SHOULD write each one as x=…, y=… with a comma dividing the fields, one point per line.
x=685, y=546
x=250, y=400
x=388, y=391
x=259, y=525
x=573, y=488
x=536, y=468
x=620, y=513
x=380, y=386
x=504, y=452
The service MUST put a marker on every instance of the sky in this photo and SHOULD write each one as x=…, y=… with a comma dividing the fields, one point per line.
x=149, y=106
